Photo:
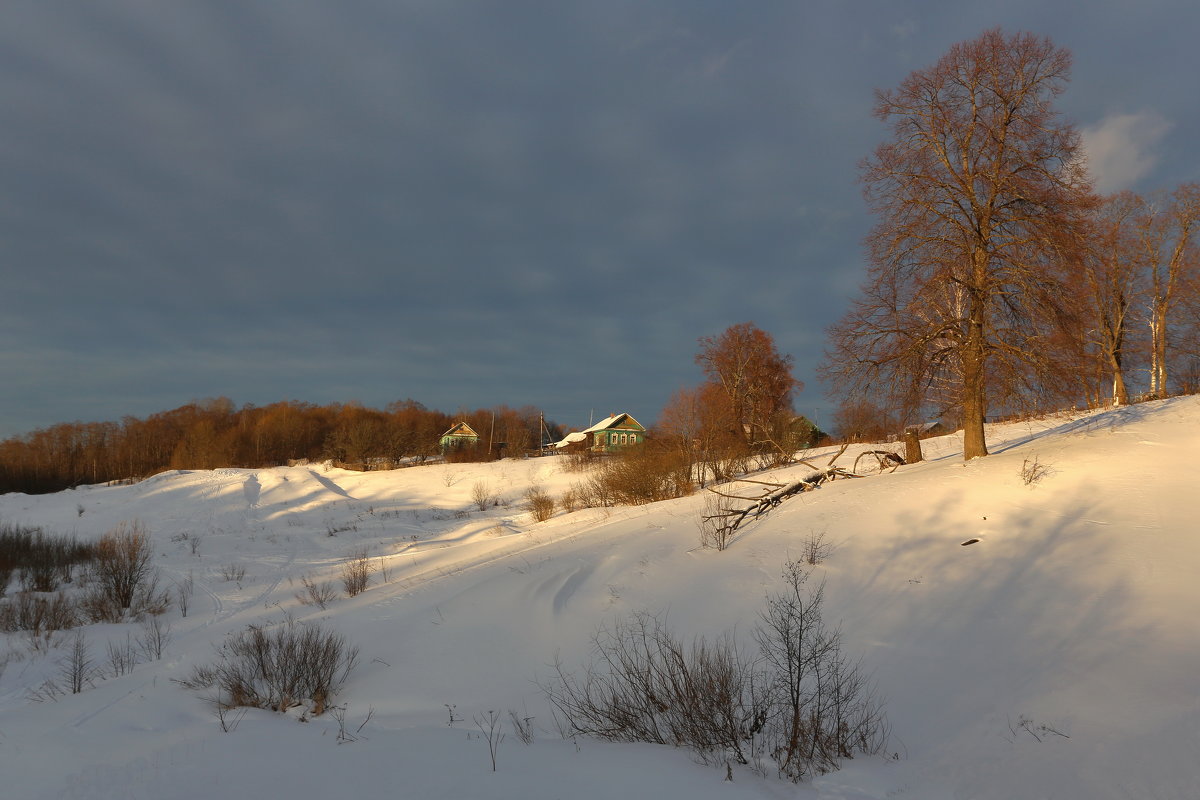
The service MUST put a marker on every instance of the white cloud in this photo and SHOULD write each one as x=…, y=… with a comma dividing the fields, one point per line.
x=1120, y=148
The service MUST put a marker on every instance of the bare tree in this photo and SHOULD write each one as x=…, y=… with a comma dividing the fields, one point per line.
x=975, y=193
x=1113, y=265
x=698, y=424
x=755, y=378
x=1167, y=231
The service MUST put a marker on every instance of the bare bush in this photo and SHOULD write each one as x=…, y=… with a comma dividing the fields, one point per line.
x=642, y=474
x=481, y=495
x=41, y=561
x=318, y=594
x=714, y=532
x=278, y=669
x=122, y=657
x=540, y=504
x=828, y=708
x=233, y=572
x=156, y=635
x=183, y=594
x=356, y=573
x=569, y=500
x=149, y=599
x=522, y=726
x=1032, y=471
x=816, y=548
x=77, y=669
x=579, y=460
x=122, y=564
x=798, y=702
x=26, y=611
x=646, y=686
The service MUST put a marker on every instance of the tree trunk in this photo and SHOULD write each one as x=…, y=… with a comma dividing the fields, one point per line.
x=1159, y=379
x=1120, y=393
x=912, y=446
x=974, y=403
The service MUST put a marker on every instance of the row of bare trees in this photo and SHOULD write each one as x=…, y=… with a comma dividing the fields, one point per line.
x=213, y=433
x=1140, y=292
x=998, y=280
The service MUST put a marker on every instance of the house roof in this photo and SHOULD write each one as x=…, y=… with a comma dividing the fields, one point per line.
x=572, y=438
x=461, y=429
x=612, y=422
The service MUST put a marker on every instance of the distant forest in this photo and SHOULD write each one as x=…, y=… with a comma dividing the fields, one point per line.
x=214, y=433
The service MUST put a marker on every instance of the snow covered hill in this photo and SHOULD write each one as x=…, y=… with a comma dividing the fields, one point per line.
x=1058, y=656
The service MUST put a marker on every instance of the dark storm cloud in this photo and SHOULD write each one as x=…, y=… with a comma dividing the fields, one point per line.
x=467, y=203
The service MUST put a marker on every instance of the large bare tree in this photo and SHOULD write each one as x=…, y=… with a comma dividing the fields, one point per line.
x=975, y=193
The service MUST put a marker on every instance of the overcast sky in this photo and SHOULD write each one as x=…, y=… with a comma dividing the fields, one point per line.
x=478, y=203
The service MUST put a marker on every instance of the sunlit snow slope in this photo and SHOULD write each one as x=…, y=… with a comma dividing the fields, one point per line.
x=1076, y=610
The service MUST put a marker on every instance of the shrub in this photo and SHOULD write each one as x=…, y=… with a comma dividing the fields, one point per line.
x=233, y=572
x=278, y=669
x=356, y=573
x=816, y=548
x=43, y=561
x=156, y=635
x=481, y=495
x=797, y=702
x=319, y=594
x=715, y=532
x=642, y=474
x=569, y=501
x=76, y=669
x=1032, y=471
x=122, y=564
x=540, y=504
x=646, y=686
x=25, y=611
x=579, y=460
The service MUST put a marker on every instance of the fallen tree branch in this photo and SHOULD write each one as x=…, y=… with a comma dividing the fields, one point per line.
x=725, y=521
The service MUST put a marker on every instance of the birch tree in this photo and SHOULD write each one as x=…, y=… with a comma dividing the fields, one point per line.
x=1167, y=244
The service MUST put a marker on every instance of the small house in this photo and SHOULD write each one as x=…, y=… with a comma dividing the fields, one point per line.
x=460, y=435
x=614, y=432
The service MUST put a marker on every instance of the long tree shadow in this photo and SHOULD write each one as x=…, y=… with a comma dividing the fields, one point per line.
x=1021, y=614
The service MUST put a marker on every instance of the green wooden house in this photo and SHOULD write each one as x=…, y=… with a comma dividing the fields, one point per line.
x=460, y=435
x=612, y=433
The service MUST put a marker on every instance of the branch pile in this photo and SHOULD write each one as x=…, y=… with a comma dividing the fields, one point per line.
x=725, y=518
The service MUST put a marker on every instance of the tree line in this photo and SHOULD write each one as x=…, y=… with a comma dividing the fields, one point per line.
x=213, y=433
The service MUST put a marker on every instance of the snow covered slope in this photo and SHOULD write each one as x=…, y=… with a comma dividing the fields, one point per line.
x=1058, y=656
